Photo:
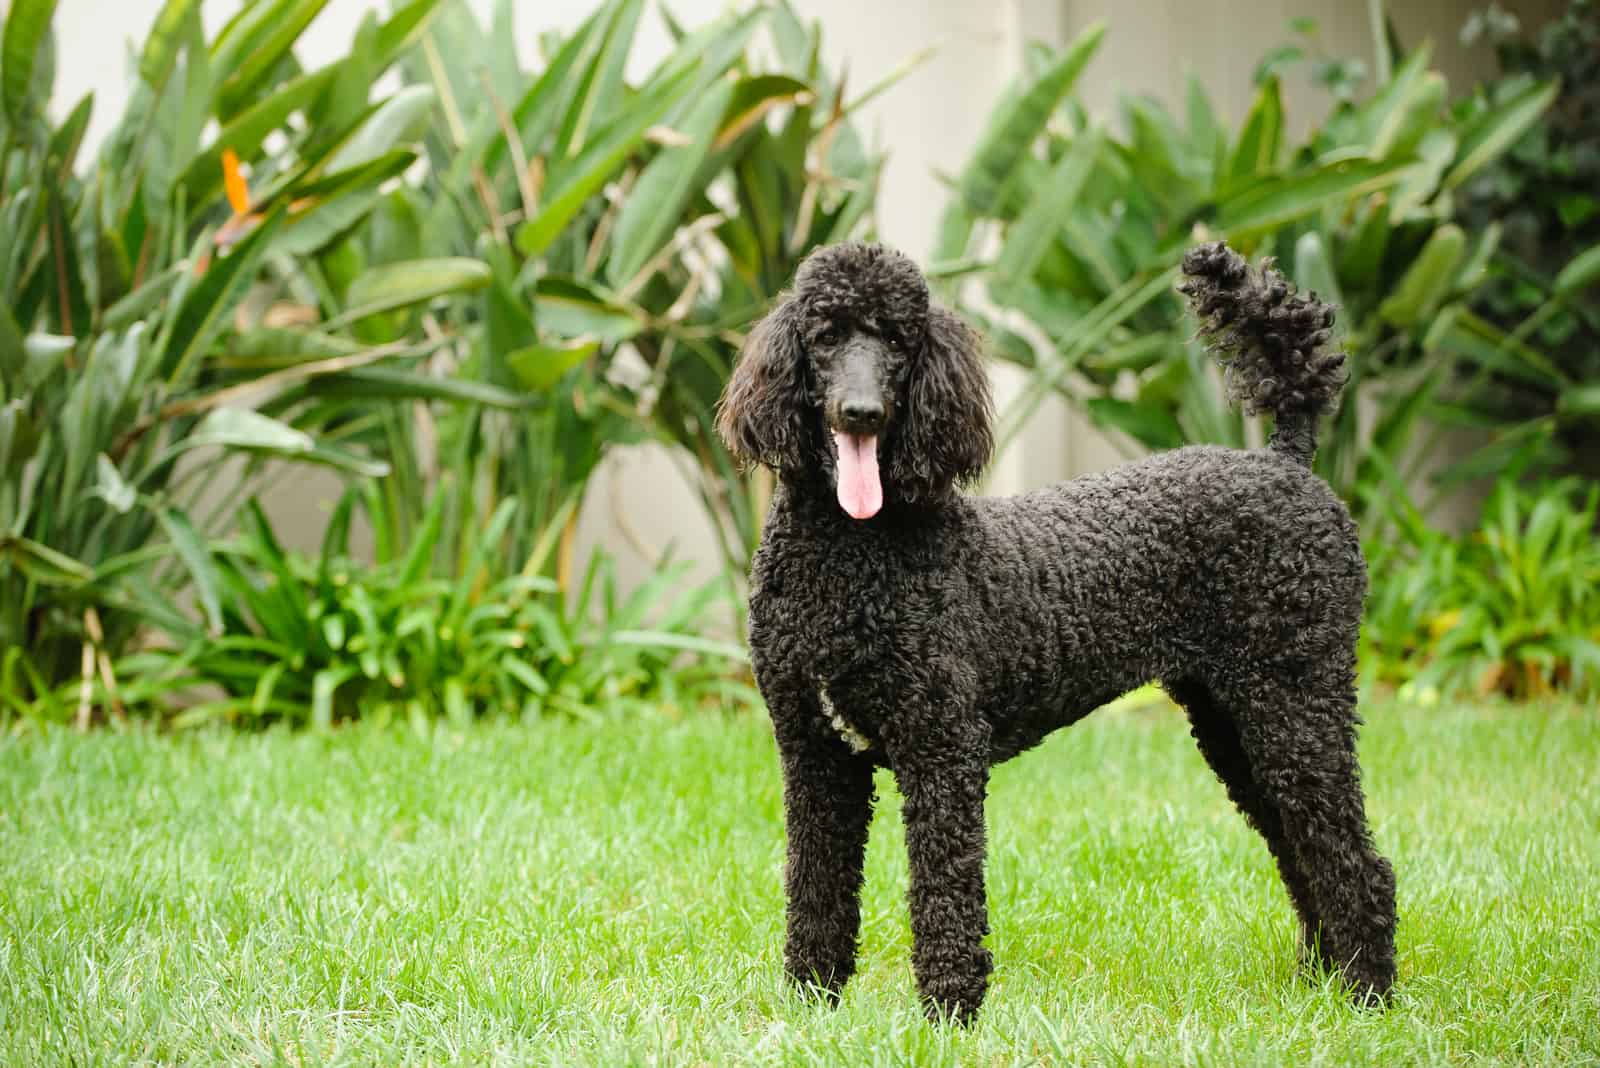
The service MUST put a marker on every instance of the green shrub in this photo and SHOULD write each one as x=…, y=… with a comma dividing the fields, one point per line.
x=1543, y=282
x=1510, y=609
x=324, y=639
x=1088, y=223
x=631, y=233
x=452, y=328
x=132, y=338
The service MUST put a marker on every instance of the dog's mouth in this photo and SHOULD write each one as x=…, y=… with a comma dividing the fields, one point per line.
x=856, y=474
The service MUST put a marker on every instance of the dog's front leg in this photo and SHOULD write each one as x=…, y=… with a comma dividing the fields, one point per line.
x=827, y=800
x=944, y=776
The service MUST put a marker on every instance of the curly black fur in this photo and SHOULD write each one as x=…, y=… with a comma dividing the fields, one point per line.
x=945, y=634
x=1269, y=340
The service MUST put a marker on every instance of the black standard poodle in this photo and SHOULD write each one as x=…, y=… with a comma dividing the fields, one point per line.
x=897, y=623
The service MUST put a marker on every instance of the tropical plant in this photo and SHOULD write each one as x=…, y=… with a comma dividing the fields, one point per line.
x=137, y=337
x=1511, y=609
x=319, y=640
x=630, y=232
x=1087, y=226
x=1543, y=281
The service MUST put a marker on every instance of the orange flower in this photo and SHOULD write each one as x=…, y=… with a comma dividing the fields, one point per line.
x=238, y=193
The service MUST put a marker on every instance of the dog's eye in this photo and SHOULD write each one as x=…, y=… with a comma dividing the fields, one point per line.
x=829, y=335
x=894, y=340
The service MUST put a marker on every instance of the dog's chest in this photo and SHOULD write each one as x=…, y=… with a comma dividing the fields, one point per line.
x=848, y=626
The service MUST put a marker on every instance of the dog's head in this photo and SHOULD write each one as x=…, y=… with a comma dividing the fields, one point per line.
x=856, y=378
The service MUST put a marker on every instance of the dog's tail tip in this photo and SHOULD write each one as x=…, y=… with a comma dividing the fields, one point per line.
x=1271, y=340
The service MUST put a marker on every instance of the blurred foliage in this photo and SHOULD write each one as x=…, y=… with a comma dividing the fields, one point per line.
x=133, y=340
x=1543, y=197
x=631, y=233
x=1086, y=225
x=1510, y=609
x=460, y=291
x=318, y=640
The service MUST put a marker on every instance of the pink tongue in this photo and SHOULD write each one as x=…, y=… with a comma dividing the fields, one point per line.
x=860, y=493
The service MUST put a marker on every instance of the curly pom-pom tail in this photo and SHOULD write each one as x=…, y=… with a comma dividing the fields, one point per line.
x=1270, y=340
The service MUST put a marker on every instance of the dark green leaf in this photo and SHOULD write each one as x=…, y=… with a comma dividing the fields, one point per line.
x=207, y=305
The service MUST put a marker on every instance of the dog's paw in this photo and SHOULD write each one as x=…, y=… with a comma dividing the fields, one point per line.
x=1367, y=988
x=1370, y=988
x=954, y=1001
x=822, y=985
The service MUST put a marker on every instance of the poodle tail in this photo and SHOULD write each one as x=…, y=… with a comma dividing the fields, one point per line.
x=1270, y=341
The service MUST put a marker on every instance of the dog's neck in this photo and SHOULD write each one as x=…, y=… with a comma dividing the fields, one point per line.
x=809, y=496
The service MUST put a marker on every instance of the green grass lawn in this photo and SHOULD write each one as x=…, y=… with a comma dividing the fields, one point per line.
x=565, y=893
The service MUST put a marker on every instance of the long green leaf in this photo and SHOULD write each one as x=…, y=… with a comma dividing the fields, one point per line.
x=1256, y=152
x=163, y=44
x=1296, y=196
x=419, y=557
x=196, y=557
x=540, y=367
x=1384, y=119
x=656, y=202
x=1460, y=331
x=574, y=308
x=404, y=27
x=43, y=564
x=1313, y=271
x=374, y=383
x=600, y=90
x=1041, y=221
x=399, y=285
x=1428, y=280
x=242, y=428
x=598, y=163
x=1497, y=130
x=274, y=34
x=398, y=121
x=26, y=28
x=1580, y=273
x=207, y=305
x=1015, y=127
x=535, y=114
x=651, y=639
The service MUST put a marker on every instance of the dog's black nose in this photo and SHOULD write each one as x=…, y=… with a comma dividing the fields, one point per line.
x=862, y=413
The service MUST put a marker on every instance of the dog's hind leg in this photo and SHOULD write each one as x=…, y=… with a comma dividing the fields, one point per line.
x=1300, y=736
x=1218, y=738
x=827, y=801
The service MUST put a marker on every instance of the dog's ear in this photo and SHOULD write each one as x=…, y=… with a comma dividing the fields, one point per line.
x=761, y=417
x=945, y=434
